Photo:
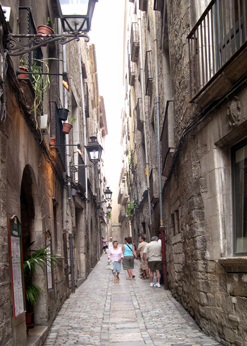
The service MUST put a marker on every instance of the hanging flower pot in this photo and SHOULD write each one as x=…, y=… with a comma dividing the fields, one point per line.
x=63, y=114
x=24, y=74
x=45, y=30
x=66, y=128
x=52, y=142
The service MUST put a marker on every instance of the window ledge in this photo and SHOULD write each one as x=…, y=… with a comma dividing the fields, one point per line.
x=234, y=264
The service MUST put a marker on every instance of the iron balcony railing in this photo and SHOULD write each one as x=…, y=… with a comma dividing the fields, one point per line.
x=134, y=41
x=148, y=74
x=217, y=36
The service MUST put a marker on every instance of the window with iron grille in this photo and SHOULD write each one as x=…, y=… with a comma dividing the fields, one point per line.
x=81, y=173
x=60, y=136
x=27, y=27
x=239, y=181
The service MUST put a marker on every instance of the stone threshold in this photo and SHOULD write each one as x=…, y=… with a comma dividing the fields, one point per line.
x=37, y=335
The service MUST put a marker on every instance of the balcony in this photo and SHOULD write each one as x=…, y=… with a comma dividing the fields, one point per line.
x=120, y=195
x=134, y=42
x=81, y=175
x=167, y=138
x=122, y=215
x=139, y=114
x=148, y=74
x=143, y=5
x=217, y=50
x=153, y=183
x=132, y=72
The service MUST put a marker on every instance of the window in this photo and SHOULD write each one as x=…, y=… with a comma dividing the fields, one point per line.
x=49, y=269
x=175, y=223
x=239, y=165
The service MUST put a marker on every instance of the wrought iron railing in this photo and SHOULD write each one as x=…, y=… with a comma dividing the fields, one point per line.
x=139, y=114
x=134, y=41
x=215, y=39
x=148, y=74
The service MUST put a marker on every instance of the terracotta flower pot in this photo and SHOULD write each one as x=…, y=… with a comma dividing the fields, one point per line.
x=23, y=75
x=45, y=30
x=29, y=319
x=67, y=127
x=52, y=142
x=63, y=114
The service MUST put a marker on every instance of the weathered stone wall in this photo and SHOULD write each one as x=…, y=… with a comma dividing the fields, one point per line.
x=198, y=199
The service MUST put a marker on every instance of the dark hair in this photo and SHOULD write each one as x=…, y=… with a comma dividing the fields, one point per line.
x=114, y=241
x=142, y=237
x=129, y=240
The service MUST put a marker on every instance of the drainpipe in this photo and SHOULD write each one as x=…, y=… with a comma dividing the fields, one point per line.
x=72, y=263
x=162, y=228
x=144, y=120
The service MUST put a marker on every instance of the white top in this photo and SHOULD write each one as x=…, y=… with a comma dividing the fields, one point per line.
x=115, y=254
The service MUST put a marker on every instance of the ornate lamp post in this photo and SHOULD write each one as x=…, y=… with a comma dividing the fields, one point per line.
x=76, y=17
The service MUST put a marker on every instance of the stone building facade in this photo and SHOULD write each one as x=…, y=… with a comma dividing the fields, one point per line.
x=185, y=68
x=50, y=189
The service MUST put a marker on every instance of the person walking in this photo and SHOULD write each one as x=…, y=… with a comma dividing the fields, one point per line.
x=129, y=255
x=153, y=252
x=115, y=254
x=104, y=244
x=144, y=270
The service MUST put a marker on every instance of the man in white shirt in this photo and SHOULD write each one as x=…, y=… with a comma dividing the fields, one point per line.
x=154, y=254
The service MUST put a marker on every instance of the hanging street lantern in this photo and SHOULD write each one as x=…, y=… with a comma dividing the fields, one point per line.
x=94, y=150
x=109, y=208
x=108, y=194
x=76, y=15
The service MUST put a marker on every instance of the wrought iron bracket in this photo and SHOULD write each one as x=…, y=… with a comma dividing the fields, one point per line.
x=15, y=47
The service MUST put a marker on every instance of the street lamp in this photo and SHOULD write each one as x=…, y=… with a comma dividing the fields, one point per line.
x=76, y=17
x=94, y=150
x=109, y=208
x=108, y=194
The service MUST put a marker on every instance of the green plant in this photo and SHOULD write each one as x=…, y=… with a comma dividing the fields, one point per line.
x=39, y=258
x=131, y=158
x=23, y=61
x=39, y=86
x=72, y=120
x=130, y=207
x=48, y=23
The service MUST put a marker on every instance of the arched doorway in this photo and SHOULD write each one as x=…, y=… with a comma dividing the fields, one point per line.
x=32, y=235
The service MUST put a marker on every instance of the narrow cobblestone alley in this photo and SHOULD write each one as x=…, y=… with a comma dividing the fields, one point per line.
x=127, y=313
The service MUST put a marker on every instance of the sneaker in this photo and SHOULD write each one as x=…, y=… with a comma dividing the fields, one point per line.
x=151, y=284
x=157, y=285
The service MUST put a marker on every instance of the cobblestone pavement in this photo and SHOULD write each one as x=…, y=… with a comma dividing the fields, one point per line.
x=123, y=314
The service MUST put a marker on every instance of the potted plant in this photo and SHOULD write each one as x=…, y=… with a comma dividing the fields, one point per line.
x=68, y=126
x=36, y=258
x=46, y=29
x=37, y=82
x=63, y=113
x=23, y=68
